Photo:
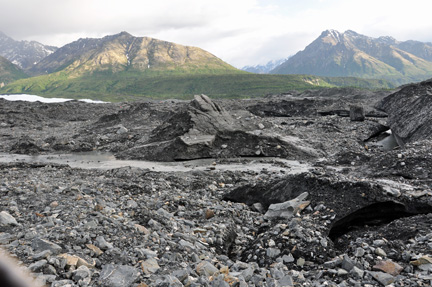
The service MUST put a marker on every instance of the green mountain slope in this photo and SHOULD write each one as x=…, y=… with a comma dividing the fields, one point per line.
x=9, y=72
x=351, y=54
x=126, y=85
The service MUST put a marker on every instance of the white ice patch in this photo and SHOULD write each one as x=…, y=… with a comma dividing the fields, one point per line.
x=34, y=98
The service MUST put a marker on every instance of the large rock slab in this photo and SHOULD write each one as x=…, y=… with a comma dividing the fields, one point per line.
x=410, y=112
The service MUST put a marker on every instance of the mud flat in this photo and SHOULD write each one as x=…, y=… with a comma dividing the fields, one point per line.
x=285, y=190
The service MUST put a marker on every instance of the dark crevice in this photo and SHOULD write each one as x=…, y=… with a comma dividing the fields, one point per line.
x=376, y=214
x=191, y=159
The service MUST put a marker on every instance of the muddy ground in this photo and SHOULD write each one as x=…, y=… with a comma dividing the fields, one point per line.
x=319, y=199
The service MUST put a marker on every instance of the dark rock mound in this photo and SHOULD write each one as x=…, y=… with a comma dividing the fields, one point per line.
x=25, y=145
x=411, y=163
x=410, y=112
x=203, y=129
x=290, y=107
x=336, y=208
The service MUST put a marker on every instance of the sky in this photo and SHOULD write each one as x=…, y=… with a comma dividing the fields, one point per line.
x=240, y=32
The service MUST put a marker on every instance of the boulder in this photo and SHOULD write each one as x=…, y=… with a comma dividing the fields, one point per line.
x=288, y=208
x=357, y=113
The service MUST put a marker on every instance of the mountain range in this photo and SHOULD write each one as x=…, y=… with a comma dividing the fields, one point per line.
x=350, y=54
x=264, y=69
x=124, y=67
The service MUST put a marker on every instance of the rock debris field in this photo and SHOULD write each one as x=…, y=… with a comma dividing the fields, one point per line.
x=319, y=188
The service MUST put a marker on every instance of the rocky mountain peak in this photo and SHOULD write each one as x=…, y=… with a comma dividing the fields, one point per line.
x=24, y=54
x=387, y=40
x=351, y=33
x=331, y=36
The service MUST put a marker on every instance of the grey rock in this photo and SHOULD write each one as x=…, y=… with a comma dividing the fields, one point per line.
x=359, y=252
x=288, y=208
x=410, y=112
x=357, y=113
x=6, y=238
x=272, y=252
x=168, y=281
x=383, y=278
x=206, y=268
x=118, y=275
x=258, y=207
x=181, y=275
x=333, y=263
x=426, y=267
x=131, y=204
x=380, y=252
x=81, y=273
x=63, y=283
x=7, y=219
x=162, y=212
x=247, y=273
x=150, y=266
x=357, y=273
x=219, y=282
x=102, y=243
x=49, y=269
x=378, y=242
x=300, y=262
x=286, y=281
x=288, y=258
x=122, y=130
x=42, y=255
x=40, y=245
x=342, y=272
x=46, y=279
x=348, y=263
x=38, y=265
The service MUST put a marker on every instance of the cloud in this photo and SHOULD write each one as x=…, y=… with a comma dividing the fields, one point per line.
x=241, y=32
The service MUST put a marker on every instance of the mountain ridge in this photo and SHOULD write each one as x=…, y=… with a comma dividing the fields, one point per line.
x=338, y=54
x=9, y=72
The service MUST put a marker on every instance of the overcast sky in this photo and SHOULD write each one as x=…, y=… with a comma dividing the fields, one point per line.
x=241, y=32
